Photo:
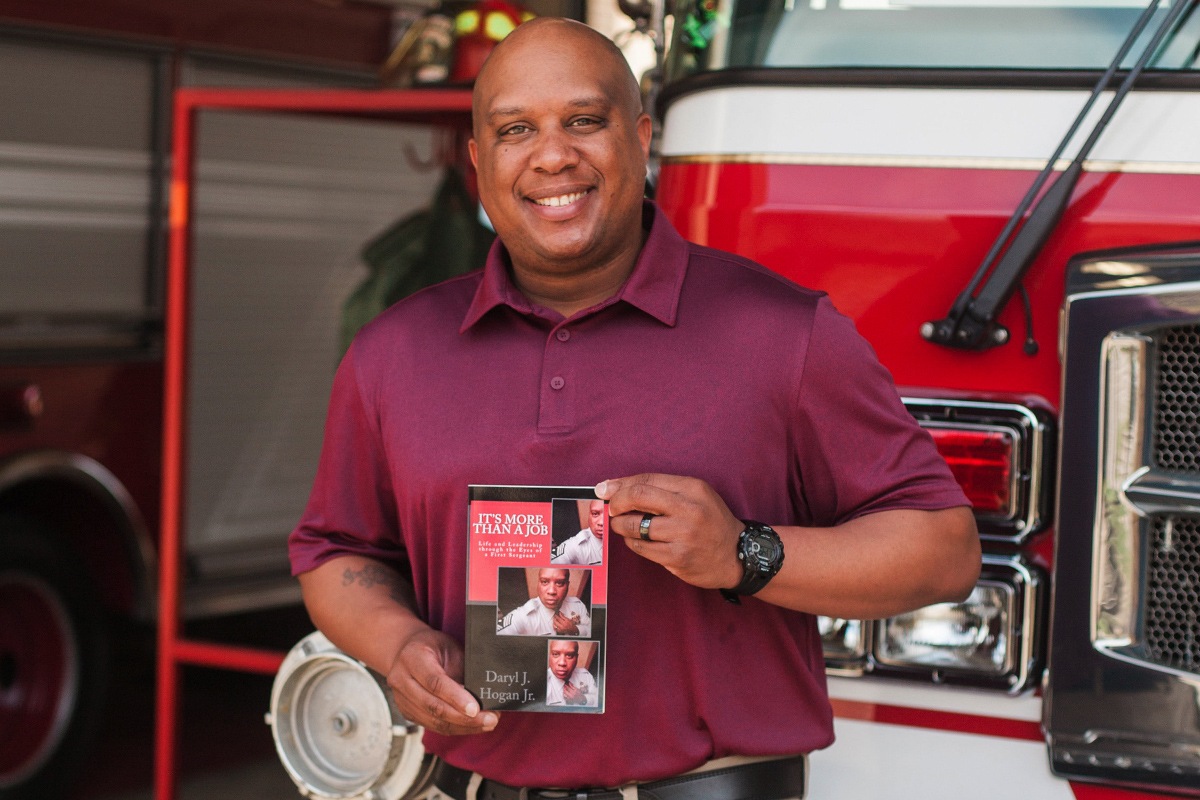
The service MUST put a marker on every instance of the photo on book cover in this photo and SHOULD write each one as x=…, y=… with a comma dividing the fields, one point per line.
x=543, y=601
x=537, y=586
x=575, y=546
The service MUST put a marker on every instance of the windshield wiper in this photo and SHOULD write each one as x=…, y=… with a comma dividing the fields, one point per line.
x=971, y=323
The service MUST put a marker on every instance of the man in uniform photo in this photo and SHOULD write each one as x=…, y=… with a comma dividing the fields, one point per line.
x=586, y=547
x=552, y=612
x=567, y=683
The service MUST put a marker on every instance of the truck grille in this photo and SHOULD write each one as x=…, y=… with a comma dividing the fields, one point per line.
x=1177, y=401
x=1172, y=611
x=1125, y=647
x=1173, y=595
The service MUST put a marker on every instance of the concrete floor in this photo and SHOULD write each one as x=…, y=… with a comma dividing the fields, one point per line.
x=265, y=780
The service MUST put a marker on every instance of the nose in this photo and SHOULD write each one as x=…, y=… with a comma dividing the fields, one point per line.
x=554, y=151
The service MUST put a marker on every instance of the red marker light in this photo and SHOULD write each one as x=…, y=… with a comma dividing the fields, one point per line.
x=982, y=463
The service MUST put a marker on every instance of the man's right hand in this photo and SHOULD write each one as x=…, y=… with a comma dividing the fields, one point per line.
x=424, y=678
x=424, y=671
x=572, y=695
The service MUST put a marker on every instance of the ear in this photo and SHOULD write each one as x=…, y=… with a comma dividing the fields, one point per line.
x=645, y=130
x=473, y=151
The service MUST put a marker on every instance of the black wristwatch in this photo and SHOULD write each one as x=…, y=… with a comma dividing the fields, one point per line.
x=760, y=551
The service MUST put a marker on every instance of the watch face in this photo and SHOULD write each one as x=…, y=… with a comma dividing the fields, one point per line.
x=761, y=550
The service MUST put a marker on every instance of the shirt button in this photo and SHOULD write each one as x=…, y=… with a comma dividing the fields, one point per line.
x=557, y=383
x=563, y=334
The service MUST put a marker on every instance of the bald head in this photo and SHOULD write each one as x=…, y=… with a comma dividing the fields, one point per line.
x=560, y=148
x=523, y=52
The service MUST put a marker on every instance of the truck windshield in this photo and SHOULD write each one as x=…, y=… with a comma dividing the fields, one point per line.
x=931, y=34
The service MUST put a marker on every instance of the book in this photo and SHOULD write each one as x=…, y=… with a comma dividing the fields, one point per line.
x=537, y=598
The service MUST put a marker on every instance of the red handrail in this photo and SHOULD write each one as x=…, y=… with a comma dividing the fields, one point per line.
x=449, y=107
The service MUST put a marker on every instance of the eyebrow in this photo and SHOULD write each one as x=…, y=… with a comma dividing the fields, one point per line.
x=592, y=101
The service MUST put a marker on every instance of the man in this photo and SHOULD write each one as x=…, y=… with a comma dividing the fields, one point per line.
x=553, y=612
x=777, y=411
x=567, y=683
x=587, y=546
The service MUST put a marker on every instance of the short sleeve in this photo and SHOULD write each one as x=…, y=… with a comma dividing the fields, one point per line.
x=858, y=448
x=352, y=509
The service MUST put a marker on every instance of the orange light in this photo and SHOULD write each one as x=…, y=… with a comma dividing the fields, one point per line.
x=982, y=463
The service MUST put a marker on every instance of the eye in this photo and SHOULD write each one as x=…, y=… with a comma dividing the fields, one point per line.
x=585, y=122
x=514, y=130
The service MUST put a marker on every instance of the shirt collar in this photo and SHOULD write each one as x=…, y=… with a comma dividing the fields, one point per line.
x=653, y=286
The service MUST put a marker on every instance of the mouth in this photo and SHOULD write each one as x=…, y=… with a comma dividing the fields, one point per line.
x=559, y=201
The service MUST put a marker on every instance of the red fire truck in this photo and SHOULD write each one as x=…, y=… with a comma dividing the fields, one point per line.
x=1005, y=197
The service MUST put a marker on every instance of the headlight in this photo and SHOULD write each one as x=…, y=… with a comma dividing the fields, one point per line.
x=990, y=639
x=973, y=636
x=844, y=642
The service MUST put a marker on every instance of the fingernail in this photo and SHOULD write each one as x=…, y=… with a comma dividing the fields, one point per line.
x=602, y=489
x=490, y=721
x=471, y=709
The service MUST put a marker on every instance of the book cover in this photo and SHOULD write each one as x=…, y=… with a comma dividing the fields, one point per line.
x=537, y=597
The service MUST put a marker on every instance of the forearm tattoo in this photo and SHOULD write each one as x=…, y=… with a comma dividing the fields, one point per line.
x=372, y=575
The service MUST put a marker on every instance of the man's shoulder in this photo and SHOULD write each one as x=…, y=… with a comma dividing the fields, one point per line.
x=530, y=606
x=569, y=548
x=580, y=537
x=745, y=284
x=434, y=309
x=728, y=292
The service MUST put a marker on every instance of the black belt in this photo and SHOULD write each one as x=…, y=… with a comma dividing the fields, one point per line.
x=758, y=780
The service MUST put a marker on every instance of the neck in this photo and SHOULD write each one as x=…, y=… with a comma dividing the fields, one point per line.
x=569, y=300
x=569, y=291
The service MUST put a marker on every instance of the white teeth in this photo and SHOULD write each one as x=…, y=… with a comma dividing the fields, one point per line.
x=561, y=200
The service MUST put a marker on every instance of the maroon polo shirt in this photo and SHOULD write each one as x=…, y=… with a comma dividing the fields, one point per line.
x=705, y=364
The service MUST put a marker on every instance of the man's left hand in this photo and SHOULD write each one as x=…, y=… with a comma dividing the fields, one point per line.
x=692, y=533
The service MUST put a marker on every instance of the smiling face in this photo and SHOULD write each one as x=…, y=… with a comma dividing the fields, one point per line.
x=552, y=587
x=563, y=658
x=560, y=147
